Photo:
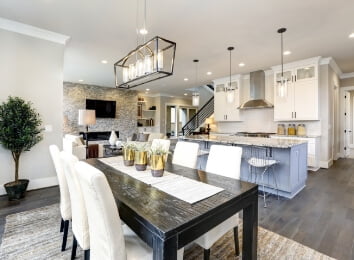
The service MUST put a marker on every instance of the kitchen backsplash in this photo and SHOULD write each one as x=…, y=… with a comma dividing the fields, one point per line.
x=262, y=120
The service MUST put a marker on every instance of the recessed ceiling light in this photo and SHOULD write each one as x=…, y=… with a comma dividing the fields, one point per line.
x=143, y=31
x=185, y=94
x=147, y=89
x=351, y=35
x=209, y=73
x=185, y=79
x=104, y=61
x=81, y=80
x=241, y=64
x=287, y=52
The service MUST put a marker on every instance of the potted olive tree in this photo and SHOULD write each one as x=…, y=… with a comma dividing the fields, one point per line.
x=19, y=132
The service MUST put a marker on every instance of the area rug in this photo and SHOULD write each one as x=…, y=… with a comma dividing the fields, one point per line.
x=35, y=235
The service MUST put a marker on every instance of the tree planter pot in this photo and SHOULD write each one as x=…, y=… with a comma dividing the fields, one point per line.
x=16, y=190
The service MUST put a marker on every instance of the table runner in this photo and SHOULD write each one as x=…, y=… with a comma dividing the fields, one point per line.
x=183, y=188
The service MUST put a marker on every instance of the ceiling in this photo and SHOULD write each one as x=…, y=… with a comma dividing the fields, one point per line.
x=105, y=30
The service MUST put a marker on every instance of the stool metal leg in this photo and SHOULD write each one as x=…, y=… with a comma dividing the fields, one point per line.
x=275, y=181
x=264, y=192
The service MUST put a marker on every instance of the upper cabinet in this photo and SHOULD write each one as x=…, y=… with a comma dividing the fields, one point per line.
x=302, y=99
x=223, y=110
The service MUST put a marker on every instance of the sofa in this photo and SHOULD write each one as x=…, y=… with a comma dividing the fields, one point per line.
x=75, y=145
x=145, y=138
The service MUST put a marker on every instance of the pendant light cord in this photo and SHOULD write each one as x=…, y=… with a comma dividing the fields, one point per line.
x=230, y=71
x=282, y=56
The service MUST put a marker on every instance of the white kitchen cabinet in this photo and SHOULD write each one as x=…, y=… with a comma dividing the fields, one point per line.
x=313, y=149
x=224, y=111
x=302, y=99
x=219, y=102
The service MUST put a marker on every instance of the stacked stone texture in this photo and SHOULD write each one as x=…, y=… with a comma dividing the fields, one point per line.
x=75, y=96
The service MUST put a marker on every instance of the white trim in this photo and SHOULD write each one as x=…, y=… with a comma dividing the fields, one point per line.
x=226, y=79
x=37, y=184
x=331, y=62
x=326, y=164
x=347, y=75
x=33, y=31
x=300, y=63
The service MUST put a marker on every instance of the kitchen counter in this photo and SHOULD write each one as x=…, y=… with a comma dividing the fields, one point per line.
x=290, y=172
x=297, y=136
x=241, y=140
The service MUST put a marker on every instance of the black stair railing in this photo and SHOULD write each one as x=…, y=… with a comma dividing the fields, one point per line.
x=206, y=111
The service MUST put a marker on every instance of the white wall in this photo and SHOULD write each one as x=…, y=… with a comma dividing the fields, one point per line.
x=32, y=69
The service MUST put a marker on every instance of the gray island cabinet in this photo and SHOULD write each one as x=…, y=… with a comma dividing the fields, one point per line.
x=290, y=171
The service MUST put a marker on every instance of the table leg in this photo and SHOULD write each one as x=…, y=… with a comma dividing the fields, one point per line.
x=250, y=230
x=164, y=249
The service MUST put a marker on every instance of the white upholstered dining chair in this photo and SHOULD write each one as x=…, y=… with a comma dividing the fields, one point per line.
x=65, y=205
x=186, y=154
x=226, y=161
x=80, y=226
x=109, y=239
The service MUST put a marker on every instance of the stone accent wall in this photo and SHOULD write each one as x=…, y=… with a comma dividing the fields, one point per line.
x=75, y=96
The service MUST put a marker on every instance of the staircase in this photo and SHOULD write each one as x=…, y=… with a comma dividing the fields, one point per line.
x=198, y=119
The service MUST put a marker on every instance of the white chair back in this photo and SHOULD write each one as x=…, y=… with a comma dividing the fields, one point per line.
x=65, y=205
x=106, y=234
x=225, y=160
x=186, y=154
x=79, y=215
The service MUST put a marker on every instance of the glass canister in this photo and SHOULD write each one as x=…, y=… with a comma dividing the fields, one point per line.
x=281, y=129
x=291, y=129
x=301, y=130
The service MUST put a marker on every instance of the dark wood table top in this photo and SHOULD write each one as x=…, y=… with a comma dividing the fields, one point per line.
x=163, y=212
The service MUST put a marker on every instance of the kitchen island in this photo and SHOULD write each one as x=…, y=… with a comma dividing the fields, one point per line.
x=290, y=172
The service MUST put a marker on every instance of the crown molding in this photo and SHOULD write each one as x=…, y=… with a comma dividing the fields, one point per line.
x=33, y=31
x=331, y=62
x=347, y=75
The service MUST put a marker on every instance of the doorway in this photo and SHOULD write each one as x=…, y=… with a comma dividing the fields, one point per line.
x=171, y=127
x=185, y=114
x=347, y=122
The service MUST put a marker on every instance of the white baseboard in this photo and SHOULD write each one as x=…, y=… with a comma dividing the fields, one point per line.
x=37, y=184
x=326, y=164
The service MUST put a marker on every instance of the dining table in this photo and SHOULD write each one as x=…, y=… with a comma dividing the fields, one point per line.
x=167, y=223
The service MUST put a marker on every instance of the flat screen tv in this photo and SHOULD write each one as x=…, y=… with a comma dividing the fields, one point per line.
x=104, y=108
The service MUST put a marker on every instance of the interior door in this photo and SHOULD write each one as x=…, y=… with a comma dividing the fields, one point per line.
x=349, y=121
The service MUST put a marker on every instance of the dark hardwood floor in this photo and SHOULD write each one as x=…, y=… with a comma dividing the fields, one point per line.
x=320, y=217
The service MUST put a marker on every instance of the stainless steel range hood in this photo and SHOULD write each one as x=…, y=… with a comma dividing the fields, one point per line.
x=257, y=92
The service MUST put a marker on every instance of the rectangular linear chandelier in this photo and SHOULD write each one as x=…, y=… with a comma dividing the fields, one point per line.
x=148, y=62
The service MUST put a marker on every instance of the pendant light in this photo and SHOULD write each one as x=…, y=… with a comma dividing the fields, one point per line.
x=195, y=94
x=282, y=84
x=149, y=61
x=230, y=89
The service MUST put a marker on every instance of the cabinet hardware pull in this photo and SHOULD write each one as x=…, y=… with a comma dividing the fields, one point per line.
x=295, y=114
x=292, y=114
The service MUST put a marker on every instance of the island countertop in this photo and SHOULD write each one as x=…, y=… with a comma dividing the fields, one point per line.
x=241, y=140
